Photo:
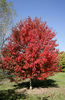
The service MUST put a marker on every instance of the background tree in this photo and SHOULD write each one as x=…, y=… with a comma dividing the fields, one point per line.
x=62, y=60
x=30, y=52
x=6, y=18
x=7, y=13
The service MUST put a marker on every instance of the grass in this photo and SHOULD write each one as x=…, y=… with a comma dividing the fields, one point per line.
x=59, y=78
x=51, y=89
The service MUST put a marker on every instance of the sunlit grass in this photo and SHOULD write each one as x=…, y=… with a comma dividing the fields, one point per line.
x=59, y=78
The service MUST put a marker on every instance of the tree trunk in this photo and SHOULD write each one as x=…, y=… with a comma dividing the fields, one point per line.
x=30, y=83
x=2, y=68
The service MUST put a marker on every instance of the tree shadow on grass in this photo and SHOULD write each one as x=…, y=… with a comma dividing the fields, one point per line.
x=11, y=95
x=44, y=83
x=38, y=83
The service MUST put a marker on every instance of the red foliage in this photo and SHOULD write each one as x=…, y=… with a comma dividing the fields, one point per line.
x=30, y=52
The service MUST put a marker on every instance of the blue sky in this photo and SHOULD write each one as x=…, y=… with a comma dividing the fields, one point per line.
x=51, y=11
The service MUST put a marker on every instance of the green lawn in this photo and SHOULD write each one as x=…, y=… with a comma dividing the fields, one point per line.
x=60, y=79
x=51, y=89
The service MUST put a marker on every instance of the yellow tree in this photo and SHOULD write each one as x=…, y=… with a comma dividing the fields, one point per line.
x=62, y=60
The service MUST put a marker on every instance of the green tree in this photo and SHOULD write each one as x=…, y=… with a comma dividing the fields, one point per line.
x=62, y=60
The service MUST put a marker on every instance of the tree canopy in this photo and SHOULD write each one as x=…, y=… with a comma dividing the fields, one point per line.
x=62, y=60
x=30, y=52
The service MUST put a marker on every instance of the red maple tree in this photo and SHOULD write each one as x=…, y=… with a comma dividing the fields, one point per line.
x=30, y=52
